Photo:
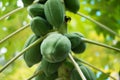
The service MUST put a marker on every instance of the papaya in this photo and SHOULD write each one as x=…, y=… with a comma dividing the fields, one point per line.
x=42, y=75
x=78, y=46
x=89, y=75
x=33, y=55
x=36, y=10
x=40, y=26
x=27, y=2
x=55, y=47
x=49, y=68
x=54, y=12
x=72, y=5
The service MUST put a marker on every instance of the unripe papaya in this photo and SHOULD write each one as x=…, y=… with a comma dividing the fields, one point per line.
x=49, y=68
x=89, y=75
x=54, y=12
x=78, y=46
x=40, y=26
x=42, y=76
x=27, y=2
x=36, y=10
x=72, y=5
x=33, y=55
x=55, y=47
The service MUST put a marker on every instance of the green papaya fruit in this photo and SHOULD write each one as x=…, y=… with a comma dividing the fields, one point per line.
x=55, y=47
x=89, y=75
x=54, y=12
x=36, y=10
x=72, y=5
x=49, y=68
x=40, y=26
x=78, y=46
x=27, y=2
x=42, y=75
x=33, y=55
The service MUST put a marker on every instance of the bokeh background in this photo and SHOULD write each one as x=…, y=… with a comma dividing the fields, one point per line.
x=105, y=11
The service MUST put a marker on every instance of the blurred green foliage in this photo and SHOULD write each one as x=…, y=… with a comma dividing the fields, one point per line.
x=104, y=11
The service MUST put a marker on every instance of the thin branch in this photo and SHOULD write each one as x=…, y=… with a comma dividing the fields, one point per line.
x=21, y=53
x=77, y=67
x=34, y=75
x=10, y=13
x=93, y=67
x=12, y=34
x=100, y=44
x=100, y=24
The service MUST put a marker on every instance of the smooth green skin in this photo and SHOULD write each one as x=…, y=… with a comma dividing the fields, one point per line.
x=33, y=55
x=40, y=26
x=27, y=2
x=49, y=68
x=54, y=12
x=80, y=48
x=43, y=76
x=36, y=10
x=55, y=48
x=72, y=5
x=89, y=75
x=77, y=45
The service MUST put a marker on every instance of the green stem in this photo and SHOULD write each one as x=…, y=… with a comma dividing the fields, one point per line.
x=12, y=34
x=77, y=67
x=21, y=53
x=100, y=44
x=10, y=13
x=93, y=67
x=100, y=25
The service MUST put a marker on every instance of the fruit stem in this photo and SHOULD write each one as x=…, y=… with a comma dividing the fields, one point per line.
x=84, y=62
x=98, y=23
x=21, y=53
x=12, y=34
x=77, y=67
x=10, y=13
x=100, y=44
